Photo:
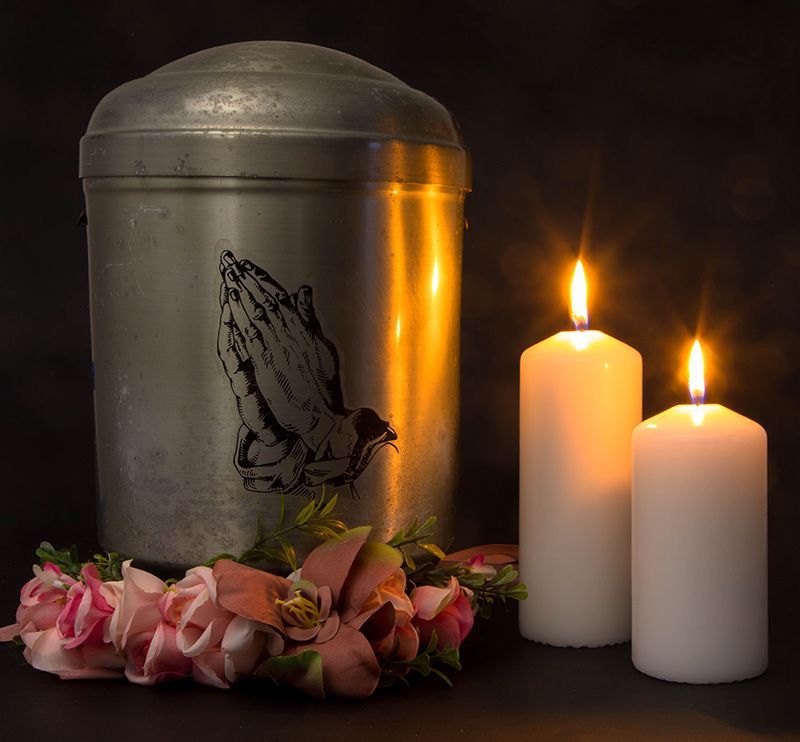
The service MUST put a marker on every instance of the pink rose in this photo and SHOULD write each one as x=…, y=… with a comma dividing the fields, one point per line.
x=172, y=631
x=392, y=590
x=139, y=631
x=40, y=601
x=222, y=646
x=446, y=610
x=406, y=642
x=392, y=636
x=400, y=641
x=478, y=565
x=51, y=603
x=89, y=606
x=154, y=657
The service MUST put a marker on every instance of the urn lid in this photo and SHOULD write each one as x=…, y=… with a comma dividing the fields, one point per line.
x=274, y=109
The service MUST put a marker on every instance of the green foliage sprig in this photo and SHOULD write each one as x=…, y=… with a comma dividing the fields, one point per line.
x=486, y=589
x=317, y=519
x=67, y=560
x=427, y=662
x=109, y=565
x=417, y=534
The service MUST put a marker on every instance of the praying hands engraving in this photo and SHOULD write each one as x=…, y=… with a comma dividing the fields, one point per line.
x=296, y=432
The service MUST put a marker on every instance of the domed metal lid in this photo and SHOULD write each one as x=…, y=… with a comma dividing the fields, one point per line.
x=274, y=109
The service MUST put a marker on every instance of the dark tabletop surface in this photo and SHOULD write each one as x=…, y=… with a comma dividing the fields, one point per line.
x=510, y=689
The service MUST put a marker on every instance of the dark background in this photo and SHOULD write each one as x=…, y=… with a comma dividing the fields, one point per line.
x=661, y=138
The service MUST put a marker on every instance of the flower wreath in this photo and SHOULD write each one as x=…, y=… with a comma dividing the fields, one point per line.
x=358, y=614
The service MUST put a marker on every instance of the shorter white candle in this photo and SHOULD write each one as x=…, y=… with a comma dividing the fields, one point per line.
x=699, y=542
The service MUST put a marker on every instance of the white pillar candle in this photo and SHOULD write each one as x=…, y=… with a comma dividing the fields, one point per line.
x=700, y=542
x=580, y=399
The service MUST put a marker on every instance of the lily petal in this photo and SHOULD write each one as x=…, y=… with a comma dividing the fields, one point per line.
x=373, y=564
x=330, y=563
x=250, y=593
x=295, y=633
x=349, y=666
x=329, y=628
x=380, y=624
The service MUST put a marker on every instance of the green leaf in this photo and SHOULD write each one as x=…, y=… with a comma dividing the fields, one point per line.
x=252, y=555
x=304, y=514
x=408, y=559
x=450, y=657
x=109, y=565
x=420, y=664
x=274, y=554
x=444, y=677
x=290, y=555
x=432, y=643
x=282, y=515
x=428, y=524
x=321, y=532
x=331, y=504
x=65, y=559
x=416, y=535
x=504, y=576
x=302, y=671
x=434, y=549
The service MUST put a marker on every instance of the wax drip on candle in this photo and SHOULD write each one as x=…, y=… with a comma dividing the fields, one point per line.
x=697, y=382
x=580, y=313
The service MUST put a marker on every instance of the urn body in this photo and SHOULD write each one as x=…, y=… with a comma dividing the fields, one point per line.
x=275, y=256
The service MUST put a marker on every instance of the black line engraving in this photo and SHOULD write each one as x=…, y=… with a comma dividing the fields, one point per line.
x=296, y=432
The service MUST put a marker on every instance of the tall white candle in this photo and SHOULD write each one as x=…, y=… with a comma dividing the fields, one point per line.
x=700, y=542
x=580, y=399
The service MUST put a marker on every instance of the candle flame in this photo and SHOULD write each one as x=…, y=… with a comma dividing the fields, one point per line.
x=697, y=380
x=580, y=313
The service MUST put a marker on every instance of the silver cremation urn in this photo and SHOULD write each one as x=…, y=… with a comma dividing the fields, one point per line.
x=275, y=267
